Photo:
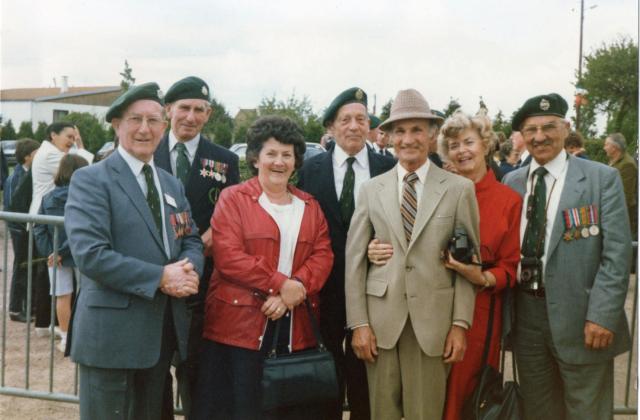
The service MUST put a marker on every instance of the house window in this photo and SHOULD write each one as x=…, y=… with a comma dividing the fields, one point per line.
x=59, y=114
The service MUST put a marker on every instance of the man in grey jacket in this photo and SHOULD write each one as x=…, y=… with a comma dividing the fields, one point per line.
x=132, y=236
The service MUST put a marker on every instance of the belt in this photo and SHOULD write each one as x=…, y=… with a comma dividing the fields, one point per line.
x=539, y=293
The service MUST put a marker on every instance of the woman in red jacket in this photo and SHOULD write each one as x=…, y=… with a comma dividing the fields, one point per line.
x=466, y=142
x=272, y=251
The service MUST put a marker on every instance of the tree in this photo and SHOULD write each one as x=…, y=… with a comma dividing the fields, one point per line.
x=299, y=110
x=452, y=106
x=500, y=124
x=41, y=131
x=92, y=132
x=127, y=78
x=219, y=128
x=8, y=132
x=386, y=110
x=611, y=81
x=25, y=130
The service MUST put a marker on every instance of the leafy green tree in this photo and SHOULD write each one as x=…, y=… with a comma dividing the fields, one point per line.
x=8, y=131
x=41, y=131
x=386, y=110
x=611, y=81
x=92, y=132
x=25, y=130
x=298, y=109
x=219, y=128
x=501, y=125
x=127, y=77
x=452, y=107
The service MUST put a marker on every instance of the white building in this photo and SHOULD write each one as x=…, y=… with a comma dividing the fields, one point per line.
x=51, y=104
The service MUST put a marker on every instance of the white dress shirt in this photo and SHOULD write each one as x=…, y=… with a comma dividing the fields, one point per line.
x=136, y=167
x=191, y=146
x=360, y=169
x=557, y=173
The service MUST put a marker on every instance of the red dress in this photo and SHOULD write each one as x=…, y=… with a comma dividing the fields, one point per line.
x=500, y=209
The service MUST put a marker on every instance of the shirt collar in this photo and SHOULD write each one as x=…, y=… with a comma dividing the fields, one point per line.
x=134, y=163
x=340, y=156
x=555, y=166
x=421, y=172
x=191, y=145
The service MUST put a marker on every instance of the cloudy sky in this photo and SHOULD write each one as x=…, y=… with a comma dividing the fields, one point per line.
x=505, y=51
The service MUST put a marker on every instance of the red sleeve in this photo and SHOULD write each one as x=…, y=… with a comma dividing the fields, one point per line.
x=315, y=270
x=508, y=252
x=229, y=253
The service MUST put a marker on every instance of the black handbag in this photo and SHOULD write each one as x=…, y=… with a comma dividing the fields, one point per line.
x=492, y=399
x=298, y=378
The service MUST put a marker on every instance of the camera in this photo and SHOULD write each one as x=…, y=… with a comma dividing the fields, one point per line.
x=460, y=247
x=531, y=273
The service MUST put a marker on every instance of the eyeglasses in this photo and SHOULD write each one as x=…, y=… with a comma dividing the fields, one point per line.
x=153, y=122
x=547, y=129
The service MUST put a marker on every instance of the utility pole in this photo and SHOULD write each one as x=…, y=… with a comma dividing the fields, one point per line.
x=578, y=104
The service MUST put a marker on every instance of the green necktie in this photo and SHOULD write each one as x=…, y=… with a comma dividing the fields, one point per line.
x=153, y=198
x=182, y=163
x=533, y=243
x=347, y=202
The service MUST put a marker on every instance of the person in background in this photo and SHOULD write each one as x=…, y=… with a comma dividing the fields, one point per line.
x=62, y=281
x=574, y=145
x=467, y=142
x=509, y=157
x=615, y=146
x=272, y=252
x=25, y=151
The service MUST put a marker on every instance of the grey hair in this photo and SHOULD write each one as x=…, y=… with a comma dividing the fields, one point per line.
x=619, y=141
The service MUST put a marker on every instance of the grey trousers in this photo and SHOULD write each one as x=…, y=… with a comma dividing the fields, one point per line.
x=551, y=388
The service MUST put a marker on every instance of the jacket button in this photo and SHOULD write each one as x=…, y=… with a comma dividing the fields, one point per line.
x=408, y=268
x=270, y=291
x=235, y=301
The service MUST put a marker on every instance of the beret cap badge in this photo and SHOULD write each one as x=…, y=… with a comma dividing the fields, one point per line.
x=359, y=94
x=205, y=91
x=544, y=104
x=160, y=93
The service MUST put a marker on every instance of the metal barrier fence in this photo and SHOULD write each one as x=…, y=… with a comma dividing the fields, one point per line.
x=50, y=394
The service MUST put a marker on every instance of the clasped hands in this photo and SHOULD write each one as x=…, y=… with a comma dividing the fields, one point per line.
x=292, y=293
x=179, y=279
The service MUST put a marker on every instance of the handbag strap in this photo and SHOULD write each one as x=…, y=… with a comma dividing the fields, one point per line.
x=314, y=326
x=487, y=341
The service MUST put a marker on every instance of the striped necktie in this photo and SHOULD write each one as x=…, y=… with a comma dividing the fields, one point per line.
x=409, y=207
x=153, y=198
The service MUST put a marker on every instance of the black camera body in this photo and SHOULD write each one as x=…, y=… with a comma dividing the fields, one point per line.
x=531, y=273
x=460, y=247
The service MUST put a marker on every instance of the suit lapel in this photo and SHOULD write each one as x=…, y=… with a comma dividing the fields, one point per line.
x=432, y=193
x=388, y=196
x=574, y=188
x=129, y=184
x=195, y=187
x=161, y=156
x=323, y=173
x=168, y=210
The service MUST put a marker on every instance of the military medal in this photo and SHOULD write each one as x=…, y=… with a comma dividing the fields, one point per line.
x=594, y=230
x=217, y=176
x=584, y=232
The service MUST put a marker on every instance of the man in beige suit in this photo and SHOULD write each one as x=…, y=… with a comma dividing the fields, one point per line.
x=408, y=316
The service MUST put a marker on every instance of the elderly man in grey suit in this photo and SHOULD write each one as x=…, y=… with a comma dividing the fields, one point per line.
x=132, y=237
x=576, y=251
x=408, y=316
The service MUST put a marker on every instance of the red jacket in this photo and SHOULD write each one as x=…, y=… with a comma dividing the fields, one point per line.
x=246, y=247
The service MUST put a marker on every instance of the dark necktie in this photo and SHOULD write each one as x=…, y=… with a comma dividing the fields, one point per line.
x=347, y=202
x=153, y=198
x=182, y=163
x=409, y=206
x=533, y=243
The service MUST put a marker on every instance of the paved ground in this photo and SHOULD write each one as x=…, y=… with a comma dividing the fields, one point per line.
x=64, y=370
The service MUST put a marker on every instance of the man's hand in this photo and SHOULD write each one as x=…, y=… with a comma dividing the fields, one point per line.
x=50, y=261
x=293, y=293
x=596, y=337
x=207, y=242
x=179, y=279
x=455, y=345
x=379, y=252
x=274, y=308
x=364, y=344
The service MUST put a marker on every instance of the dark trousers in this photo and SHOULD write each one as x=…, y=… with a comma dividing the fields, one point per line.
x=18, y=295
x=128, y=394
x=42, y=297
x=552, y=388
x=351, y=371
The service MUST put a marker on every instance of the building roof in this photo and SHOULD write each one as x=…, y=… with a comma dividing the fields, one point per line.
x=47, y=94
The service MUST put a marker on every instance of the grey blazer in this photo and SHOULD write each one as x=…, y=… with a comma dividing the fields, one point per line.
x=587, y=279
x=119, y=313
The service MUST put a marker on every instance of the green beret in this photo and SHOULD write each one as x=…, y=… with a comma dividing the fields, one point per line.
x=188, y=88
x=551, y=104
x=349, y=96
x=150, y=91
x=374, y=122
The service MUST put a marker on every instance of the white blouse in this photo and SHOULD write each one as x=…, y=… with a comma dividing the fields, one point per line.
x=288, y=217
